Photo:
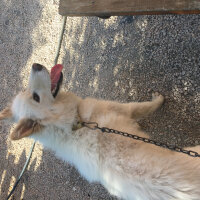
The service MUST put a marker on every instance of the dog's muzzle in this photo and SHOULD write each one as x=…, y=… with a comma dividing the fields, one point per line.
x=37, y=67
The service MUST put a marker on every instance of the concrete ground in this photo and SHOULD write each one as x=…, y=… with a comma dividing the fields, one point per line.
x=122, y=58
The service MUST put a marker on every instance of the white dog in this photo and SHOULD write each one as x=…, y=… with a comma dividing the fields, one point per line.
x=127, y=168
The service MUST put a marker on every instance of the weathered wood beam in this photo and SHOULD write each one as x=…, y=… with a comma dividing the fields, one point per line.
x=127, y=7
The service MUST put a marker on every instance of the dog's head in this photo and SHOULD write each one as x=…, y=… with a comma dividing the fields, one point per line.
x=32, y=105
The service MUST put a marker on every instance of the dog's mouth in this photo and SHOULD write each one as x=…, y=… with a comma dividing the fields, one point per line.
x=56, y=79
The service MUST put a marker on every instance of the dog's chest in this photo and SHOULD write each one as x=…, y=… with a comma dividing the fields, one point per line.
x=81, y=152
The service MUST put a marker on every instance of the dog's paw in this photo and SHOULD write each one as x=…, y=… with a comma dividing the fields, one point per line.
x=157, y=97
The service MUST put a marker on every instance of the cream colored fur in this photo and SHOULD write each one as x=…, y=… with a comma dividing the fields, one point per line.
x=127, y=168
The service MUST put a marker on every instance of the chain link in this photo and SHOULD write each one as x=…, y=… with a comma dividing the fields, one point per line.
x=94, y=126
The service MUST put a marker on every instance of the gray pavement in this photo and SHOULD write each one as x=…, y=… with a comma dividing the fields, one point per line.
x=122, y=58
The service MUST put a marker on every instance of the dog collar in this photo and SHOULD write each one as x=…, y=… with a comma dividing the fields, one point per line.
x=77, y=126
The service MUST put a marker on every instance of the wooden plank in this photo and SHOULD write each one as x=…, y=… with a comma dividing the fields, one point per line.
x=127, y=7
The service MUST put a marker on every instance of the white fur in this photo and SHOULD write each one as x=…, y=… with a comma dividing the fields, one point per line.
x=129, y=169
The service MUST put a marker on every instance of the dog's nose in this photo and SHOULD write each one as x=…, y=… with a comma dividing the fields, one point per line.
x=37, y=67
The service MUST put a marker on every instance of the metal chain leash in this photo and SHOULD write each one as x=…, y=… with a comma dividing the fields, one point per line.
x=95, y=126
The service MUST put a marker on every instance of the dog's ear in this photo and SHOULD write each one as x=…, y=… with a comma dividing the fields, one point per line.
x=6, y=113
x=24, y=128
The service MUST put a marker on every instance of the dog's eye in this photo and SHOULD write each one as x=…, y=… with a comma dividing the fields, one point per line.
x=36, y=97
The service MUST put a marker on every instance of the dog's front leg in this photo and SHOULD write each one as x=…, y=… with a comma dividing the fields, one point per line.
x=142, y=109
